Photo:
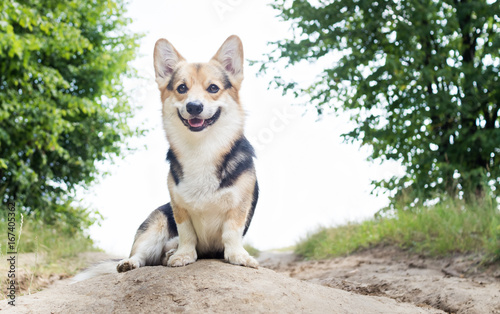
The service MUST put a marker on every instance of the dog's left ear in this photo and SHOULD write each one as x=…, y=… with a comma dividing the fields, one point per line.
x=230, y=56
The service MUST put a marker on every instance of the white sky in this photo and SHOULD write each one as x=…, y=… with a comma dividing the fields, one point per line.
x=307, y=177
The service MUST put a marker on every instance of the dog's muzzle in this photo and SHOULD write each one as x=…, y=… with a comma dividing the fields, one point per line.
x=196, y=124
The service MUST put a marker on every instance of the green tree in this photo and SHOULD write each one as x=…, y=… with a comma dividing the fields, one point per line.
x=420, y=78
x=63, y=105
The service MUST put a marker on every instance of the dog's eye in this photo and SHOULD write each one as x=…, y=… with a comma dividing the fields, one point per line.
x=182, y=89
x=213, y=88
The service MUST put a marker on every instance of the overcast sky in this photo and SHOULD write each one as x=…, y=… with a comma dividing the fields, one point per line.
x=307, y=177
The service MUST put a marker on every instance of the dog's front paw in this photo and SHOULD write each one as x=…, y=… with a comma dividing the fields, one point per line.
x=164, y=260
x=182, y=259
x=127, y=264
x=242, y=258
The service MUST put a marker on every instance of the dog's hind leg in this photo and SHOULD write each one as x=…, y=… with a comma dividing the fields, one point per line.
x=156, y=236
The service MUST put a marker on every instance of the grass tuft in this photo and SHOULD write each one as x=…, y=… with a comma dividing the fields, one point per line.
x=45, y=253
x=445, y=228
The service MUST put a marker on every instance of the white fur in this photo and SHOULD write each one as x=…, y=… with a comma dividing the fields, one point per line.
x=234, y=251
x=149, y=251
x=186, y=253
x=104, y=268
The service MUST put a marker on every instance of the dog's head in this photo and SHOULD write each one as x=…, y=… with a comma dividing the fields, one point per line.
x=196, y=96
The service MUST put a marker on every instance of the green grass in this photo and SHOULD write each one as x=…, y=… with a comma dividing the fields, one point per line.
x=46, y=253
x=51, y=239
x=55, y=242
x=438, y=230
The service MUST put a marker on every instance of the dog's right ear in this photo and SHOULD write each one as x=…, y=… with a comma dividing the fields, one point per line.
x=166, y=59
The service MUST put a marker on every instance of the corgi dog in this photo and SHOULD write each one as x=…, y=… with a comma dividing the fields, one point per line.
x=212, y=181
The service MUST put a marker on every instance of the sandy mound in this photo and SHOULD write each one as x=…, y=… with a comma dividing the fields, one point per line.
x=208, y=286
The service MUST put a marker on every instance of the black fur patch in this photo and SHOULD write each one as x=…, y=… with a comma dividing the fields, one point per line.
x=169, y=214
x=236, y=162
x=211, y=255
x=144, y=226
x=175, y=167
x=252, y=209
x=225, y=78
x=227, y=82
x=170, y=85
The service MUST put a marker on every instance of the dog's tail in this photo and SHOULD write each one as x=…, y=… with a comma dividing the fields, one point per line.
x=99, y=269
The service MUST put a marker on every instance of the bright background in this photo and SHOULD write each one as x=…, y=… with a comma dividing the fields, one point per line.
x=307, y=176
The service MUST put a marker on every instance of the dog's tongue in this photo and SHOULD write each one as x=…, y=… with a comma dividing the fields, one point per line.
x=196, y=123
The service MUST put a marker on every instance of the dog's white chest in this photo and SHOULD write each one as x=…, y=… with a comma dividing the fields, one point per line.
x=201, y=197
x=198, y=188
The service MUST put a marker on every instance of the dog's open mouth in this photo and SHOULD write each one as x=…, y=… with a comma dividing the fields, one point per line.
x=197, y=124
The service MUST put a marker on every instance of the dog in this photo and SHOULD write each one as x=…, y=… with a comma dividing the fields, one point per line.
x=212, y=180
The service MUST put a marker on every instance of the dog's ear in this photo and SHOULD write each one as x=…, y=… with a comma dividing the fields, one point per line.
x=230, y=56
x=166, y=58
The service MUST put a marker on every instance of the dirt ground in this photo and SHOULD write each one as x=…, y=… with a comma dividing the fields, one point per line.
x=29, y=278
x=454, y=285
x=382, y=280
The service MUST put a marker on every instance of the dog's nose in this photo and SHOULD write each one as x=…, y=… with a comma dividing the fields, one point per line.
x=194, y=108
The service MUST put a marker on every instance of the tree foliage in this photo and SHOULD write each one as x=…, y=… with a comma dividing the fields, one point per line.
x=420, y=78
x=63, y=106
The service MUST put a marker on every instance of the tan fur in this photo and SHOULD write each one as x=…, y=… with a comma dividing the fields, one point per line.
x=181, y=214
x=239, y=214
